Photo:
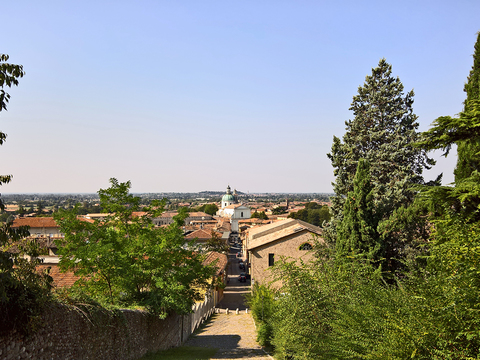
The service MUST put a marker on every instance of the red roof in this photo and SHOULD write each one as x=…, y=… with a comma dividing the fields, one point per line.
x=221, y=264
x=35, y=222
x=201, y=234
x=60, y=279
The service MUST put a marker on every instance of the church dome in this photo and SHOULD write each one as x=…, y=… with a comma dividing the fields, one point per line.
x=228, y=197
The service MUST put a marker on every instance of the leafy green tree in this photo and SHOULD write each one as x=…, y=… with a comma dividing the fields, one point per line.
x=211, y=209
x=261, y=301
x=9, y=75
x=259, y=215
x=21, y=210
x=215, y=243
x=357, y=232
x=279, y=210
x=124, y=259
x=40, y=207
x=23, y=291
x=455, y=213
x=313, y=213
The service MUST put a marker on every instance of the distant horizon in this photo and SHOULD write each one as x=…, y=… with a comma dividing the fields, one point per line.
x=199, y=94
x=169, y=192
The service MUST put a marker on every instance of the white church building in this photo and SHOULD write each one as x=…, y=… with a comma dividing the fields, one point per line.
x=232, y=209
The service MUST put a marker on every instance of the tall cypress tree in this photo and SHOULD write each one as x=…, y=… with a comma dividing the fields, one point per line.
x=357, y=232
x=468, y=152
x=382, y=132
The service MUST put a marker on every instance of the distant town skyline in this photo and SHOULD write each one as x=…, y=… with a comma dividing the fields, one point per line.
x=187, y=96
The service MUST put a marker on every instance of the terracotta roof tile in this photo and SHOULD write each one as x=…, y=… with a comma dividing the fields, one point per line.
x=221, y=263
x=35, y=222
x=60, y=279
x=201, y=234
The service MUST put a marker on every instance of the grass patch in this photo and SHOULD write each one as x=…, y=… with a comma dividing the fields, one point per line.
x=183, y=353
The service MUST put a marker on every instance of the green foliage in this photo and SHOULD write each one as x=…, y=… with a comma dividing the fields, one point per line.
x=210, y=209
x=331, y=310
x=279, y=210
x=334, y=309
x=261, y=303
x=9, y=75
x=259, y=215
x=125, y=260
x=468, y=152
x=23, y=291
x=357, y=231
x=383, y=133
x=215, y=243
x=313, y=213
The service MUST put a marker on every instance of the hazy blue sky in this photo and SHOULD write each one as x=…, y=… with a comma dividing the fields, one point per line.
x=195, y=95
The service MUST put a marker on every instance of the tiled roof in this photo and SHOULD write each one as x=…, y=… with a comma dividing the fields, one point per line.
x=234, y=206
x=138, y=213
x=221, y=263
x=262, y=235
x=168, y=214
x=35, y=222
x=199, y=214
x=60, y=279
x=201, y=234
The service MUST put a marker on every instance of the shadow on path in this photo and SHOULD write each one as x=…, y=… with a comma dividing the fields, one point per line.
x=234, y=335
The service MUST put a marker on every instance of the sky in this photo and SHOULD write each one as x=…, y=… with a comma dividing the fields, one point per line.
x=186, y=96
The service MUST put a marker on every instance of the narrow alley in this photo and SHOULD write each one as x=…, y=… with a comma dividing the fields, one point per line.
x=233, y=334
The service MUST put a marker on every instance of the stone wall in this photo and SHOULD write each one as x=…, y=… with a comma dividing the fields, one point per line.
x=287, y=247
x=71, y=333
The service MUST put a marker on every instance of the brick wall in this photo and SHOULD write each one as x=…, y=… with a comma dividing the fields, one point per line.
x=66, y=333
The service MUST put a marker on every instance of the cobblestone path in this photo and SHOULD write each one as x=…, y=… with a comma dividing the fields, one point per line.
x=234, y=335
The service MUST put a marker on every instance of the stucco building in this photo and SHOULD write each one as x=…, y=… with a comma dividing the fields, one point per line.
x=232, y=210
x=290, y=239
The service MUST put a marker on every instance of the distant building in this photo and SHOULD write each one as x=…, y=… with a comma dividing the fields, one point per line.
x=39, y=226
x=194, y=217
x=266, y=244
x=232, y=210
x=201, y=236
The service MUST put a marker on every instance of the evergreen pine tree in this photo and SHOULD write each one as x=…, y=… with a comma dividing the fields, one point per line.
x=468, y=152
x=357, y=232
x=382, y=132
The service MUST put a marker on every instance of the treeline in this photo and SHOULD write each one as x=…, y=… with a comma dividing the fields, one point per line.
x=398, y=274
x=313, y=213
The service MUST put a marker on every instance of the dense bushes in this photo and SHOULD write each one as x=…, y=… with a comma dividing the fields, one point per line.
x=327, y=310
x=23, y=291
x=262, y=304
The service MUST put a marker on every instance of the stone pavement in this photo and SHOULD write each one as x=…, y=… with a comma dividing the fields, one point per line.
x=234, y=335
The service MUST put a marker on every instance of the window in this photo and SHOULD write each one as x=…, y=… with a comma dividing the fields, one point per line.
x=305, y=246
x=241, y=214
x=271, y=259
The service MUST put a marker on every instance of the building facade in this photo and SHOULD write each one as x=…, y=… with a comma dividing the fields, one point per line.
x=290, y=240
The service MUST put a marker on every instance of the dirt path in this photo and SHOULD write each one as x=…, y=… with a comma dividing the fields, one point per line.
x=234, y=335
